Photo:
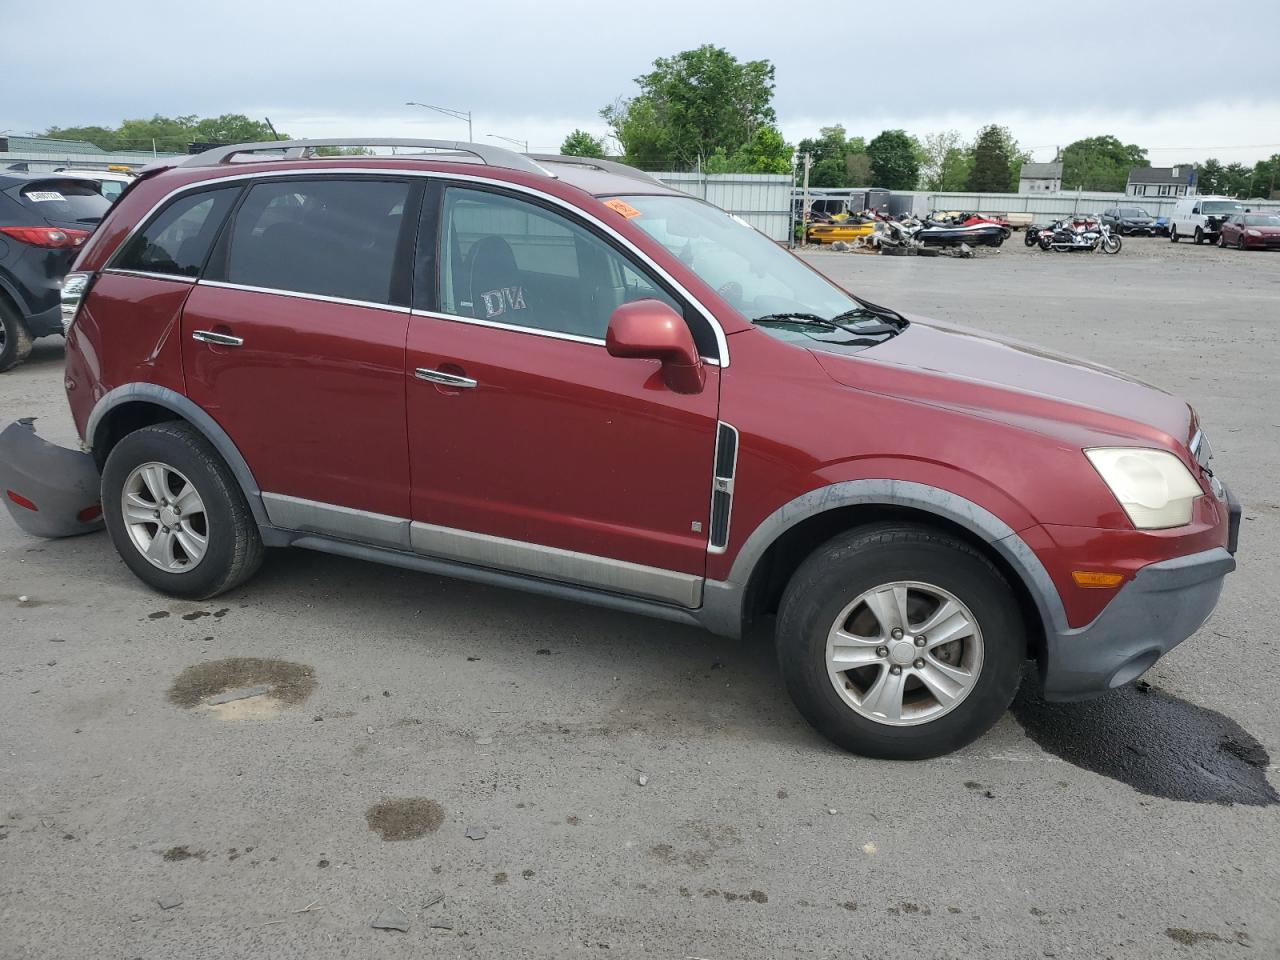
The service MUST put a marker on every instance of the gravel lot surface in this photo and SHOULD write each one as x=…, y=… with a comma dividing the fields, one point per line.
x=510, y=776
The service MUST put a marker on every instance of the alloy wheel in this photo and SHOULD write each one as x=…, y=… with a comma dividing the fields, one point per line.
x=165, y=517
x=904, y=653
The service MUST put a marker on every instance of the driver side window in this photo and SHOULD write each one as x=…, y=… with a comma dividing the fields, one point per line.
x=507, y=261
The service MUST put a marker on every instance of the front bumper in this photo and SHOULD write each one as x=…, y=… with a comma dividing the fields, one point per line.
x=50, y=491
x=1164, y=604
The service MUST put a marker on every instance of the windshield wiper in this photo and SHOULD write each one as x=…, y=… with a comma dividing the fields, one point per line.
x=790, y=317
x=843, y=323
x=884, y=313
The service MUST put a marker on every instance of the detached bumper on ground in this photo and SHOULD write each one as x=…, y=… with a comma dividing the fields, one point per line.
x=50, y=491
x=1163, y=605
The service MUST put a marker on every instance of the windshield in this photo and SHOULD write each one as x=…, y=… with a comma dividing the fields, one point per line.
x=1132, y=212
x=1221, y=206
x=752, y=273
x=1262, y=220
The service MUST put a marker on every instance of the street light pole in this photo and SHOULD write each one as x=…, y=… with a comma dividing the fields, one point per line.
x=457, y=114
x=518, y=143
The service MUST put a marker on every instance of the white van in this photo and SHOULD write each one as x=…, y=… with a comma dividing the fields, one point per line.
x=1201, y=217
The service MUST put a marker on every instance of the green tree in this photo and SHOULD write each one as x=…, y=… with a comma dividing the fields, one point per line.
x=582, y=144
x=1209, y=177
x=895, y=163
x=836, y=156
x=766, y=152
x=1100, y=163
x=996, y=161
x=169, y=133
x=1236, y=179
x=828, y=173
x=934, y=151
x=954, y=176
x=1266, y=177
x=857, y=168
x=692, y=104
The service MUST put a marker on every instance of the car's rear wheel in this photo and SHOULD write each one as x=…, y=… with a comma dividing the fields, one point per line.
x=176, y=514
x=15, y=338
x=899, y=642
x=1173, y=233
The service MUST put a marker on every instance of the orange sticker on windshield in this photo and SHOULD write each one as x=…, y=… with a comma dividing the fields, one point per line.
x=624, y=208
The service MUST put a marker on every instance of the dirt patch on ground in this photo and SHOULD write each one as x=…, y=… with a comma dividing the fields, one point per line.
x=405, y=819
x=178, y=854
x=278, y=683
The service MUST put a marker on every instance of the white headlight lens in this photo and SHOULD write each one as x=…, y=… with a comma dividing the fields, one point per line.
x=1154, y=487
x=73, y=288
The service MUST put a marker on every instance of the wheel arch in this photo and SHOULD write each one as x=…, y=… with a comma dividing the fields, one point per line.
x=781, y=542
x=133, y=406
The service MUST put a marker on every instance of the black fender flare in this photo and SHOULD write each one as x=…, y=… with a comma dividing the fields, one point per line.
x=723, y=600
x=186, y=409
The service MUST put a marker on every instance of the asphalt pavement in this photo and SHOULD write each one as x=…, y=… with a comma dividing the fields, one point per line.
x=511, y=776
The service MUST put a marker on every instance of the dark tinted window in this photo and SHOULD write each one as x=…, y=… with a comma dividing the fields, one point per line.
x=336, y=238
x=513, y=262
x=178, y=240
x=67, y=201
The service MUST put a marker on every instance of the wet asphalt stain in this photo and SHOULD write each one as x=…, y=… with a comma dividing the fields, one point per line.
x=406, y=819
x=158, y=615
x=287, y=683
x=1154, y=742
x=198, y=614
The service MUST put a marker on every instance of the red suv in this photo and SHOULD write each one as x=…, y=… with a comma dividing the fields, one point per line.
x=561, y=375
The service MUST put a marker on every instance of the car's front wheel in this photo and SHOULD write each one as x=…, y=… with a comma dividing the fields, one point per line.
x=1199, y=236
x=176, y=514
x=899, y=642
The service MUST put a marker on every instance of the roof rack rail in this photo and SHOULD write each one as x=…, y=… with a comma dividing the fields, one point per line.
x=301, y=149
x=608, y=166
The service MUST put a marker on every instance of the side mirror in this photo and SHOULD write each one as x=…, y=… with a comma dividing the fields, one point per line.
x=651, y=330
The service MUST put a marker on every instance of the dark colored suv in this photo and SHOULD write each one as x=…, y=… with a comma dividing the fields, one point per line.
x=561, y=375
x=44, y=221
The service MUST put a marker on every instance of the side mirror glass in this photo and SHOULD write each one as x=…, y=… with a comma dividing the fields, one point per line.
x=651, y=330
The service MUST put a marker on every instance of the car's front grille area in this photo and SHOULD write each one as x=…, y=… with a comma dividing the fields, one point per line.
x=726, y=465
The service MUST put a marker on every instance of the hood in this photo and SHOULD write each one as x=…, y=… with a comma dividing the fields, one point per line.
x=1136, y=220
x=1000, y=378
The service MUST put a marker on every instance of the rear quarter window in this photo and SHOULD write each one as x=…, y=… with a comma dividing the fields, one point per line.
x=178, y=239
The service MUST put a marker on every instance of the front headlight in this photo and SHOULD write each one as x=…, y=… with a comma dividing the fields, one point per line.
x=1254, y=233
x=1154, y=487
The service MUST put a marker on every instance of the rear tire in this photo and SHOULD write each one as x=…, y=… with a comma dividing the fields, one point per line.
x=230, y=548
x=15, y=338
x=1173, y=233
x=826, y=594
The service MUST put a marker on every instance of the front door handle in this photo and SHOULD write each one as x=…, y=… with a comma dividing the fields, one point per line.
x=444, y=379
x=221, y=339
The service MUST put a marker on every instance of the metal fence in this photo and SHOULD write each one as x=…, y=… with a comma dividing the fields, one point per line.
x=1049, y=206
x=761, y=199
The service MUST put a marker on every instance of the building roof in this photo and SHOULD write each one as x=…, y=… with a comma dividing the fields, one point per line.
x=1178, y=174
x=49, y=145
x=1041, y=171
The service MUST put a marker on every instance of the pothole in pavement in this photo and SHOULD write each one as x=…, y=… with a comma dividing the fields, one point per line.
x=243, y=688
x=1154, y=742
x=405, y=819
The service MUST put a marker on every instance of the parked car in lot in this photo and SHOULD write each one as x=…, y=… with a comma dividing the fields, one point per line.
x=44, y=221
x=111, y=183
x=1201, y=217
x=559, y=374
x=1251, y=231
x=1129, y=221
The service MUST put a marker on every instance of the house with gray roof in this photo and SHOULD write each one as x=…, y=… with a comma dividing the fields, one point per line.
x=1178, y=181
x=1040, y=177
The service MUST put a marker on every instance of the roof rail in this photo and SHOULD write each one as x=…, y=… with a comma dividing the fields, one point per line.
x=608, y=166
x=301, y=149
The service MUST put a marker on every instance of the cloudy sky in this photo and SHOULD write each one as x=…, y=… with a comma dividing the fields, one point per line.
x=1188, y=80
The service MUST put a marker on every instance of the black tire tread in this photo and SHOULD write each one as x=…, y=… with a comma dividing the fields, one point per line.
x=18, y=341
x=248, y=550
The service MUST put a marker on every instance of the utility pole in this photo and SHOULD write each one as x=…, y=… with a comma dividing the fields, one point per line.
x=448, y=112
x=804, y=209
x=272, y=128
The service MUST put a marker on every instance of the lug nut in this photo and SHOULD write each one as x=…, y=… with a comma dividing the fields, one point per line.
x=896, y=633
x=895, y=670
x=920, y=640
x=919, y=664
x=155, y=513
x=882, y=651
x=164, y=529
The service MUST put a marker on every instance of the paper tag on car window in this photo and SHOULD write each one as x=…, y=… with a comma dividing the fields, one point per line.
x=624, y=208
x=44, y=196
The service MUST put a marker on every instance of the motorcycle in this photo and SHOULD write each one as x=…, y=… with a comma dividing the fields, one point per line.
x=1068, y=236
x=1032, y=234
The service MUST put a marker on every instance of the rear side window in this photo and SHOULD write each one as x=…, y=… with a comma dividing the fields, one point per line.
x=111, y=189
x=66, y=201
x=178, y=240
x=335, y=238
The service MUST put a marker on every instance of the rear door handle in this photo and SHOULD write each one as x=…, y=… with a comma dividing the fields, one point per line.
x=445, y=379
x=221, y=339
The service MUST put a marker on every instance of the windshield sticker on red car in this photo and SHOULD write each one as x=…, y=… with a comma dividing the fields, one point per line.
x=44, y=196
x=498, y=302
x=622, y=207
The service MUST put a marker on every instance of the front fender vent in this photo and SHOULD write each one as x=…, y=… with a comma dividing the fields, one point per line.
x=726, y=466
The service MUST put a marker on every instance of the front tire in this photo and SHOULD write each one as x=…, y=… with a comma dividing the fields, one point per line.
x=177, y=515
x=1112, y=244
x=15, y=338
x=1199, y=236
x=929, y=630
